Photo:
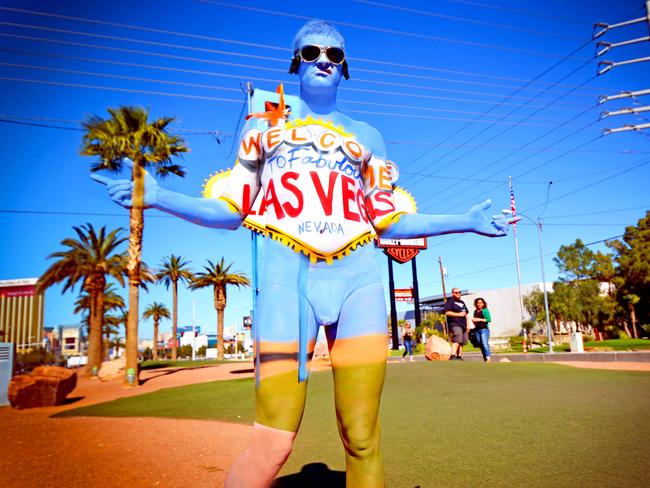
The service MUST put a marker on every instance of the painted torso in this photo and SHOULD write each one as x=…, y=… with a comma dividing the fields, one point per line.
x=321, y=190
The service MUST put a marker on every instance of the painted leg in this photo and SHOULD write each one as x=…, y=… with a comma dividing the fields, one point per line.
x=267, y=452
x=359, y=366
x=279, y=406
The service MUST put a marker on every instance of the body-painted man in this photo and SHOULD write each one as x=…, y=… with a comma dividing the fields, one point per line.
x=326, y=192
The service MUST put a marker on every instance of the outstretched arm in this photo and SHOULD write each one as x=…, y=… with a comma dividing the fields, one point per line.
x=207, y=212
x=421, y=225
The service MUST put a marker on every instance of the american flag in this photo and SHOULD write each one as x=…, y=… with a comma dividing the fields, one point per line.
x=513, y=207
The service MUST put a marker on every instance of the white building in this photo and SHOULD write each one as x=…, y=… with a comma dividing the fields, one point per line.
x=503, y=304
x=188, y=339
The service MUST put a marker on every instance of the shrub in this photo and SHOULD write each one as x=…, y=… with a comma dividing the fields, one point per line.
x=185, y=351
x=527, y=325
x=147, y=354
x=25, y=362
x=201, y=351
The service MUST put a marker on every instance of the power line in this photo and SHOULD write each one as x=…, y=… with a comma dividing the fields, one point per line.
x=383, y=30
x=279, y=60
x=36, y=124
x=142, y=28
x=112, y=88
x=18, y=120
x=255, y=56
x=522, y=12
x=219, y=99
x=390, y=142
x=533, y=154
x=240, y=65
x=547, y=70
x=599, y=213
x=466, y=20
x=501, y=147
x=589, y=142
x=118, y=77
x=518, y=162
x=267, y=46
x=519, y=182
x=90, y=214
x=213, y=87
x=590, y=185
x=534, y=113
x=512, y=263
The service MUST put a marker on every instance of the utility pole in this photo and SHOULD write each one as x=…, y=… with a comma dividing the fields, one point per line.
x=393, y=309
x=521, y=294
x=442, y=278
x=416, y=293
x=538, y=225
x=602, y=47
x=444, y=292
x=193, y=330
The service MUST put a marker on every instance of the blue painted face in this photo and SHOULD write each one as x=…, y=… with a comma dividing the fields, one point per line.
x=322, y=73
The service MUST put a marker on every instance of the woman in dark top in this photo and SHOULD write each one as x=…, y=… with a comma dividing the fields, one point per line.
x=482, y=321
x=407, y=337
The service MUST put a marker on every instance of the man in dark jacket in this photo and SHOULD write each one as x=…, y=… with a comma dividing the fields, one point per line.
x=456, y=313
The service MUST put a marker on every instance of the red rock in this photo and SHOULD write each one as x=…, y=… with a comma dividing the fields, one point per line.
x=46, y=386
x=437, y=349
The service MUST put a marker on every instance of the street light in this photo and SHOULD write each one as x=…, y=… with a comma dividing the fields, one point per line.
x=538, y=224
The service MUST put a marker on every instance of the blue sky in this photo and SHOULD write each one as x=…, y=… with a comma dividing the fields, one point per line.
x=466, y=93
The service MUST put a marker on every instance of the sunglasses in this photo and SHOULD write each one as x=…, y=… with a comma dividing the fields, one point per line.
x=311, y=53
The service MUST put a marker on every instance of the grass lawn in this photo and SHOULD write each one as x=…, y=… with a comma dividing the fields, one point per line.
x=598, y=346
x=452, y=424
x=164, y=363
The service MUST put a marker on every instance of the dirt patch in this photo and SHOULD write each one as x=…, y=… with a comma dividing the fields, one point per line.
x=38, y=450
x=619, y=366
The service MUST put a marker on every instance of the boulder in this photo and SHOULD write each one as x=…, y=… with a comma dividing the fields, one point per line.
x=112, y=370
x=437, y=349
x=46, y=386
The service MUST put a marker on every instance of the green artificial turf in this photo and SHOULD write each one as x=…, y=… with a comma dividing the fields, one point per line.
x=620, y=344
x=164, y=363
x=452, y=424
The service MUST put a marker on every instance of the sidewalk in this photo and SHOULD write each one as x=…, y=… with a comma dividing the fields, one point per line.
x=545, y=357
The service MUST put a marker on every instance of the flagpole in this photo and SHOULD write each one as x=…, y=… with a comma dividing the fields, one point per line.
x=514, y=234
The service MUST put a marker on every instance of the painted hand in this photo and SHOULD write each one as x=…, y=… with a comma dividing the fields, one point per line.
x=481, y=224
x=121, y=190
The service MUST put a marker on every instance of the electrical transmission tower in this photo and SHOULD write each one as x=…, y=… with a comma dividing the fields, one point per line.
x=602, y=47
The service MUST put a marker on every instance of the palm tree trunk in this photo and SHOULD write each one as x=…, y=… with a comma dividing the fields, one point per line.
x=94, y=332
x=633, y=320
x=155, y=339
x=136, y=222
x=174, y=318
x=220, y=348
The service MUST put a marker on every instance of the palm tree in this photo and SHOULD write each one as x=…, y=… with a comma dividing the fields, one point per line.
x=219, y=276
x=172, y=270
x=114, y=322
x=112, y=301
x=128, y=134
x=89, y=259
x=156, y=311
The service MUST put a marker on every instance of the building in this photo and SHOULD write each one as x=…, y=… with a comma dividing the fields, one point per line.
x=196, y=340
x=503, y=304
x=73, y=340
x=21, y=313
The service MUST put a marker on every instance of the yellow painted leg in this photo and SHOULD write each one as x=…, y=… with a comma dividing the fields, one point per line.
x=359, y=367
